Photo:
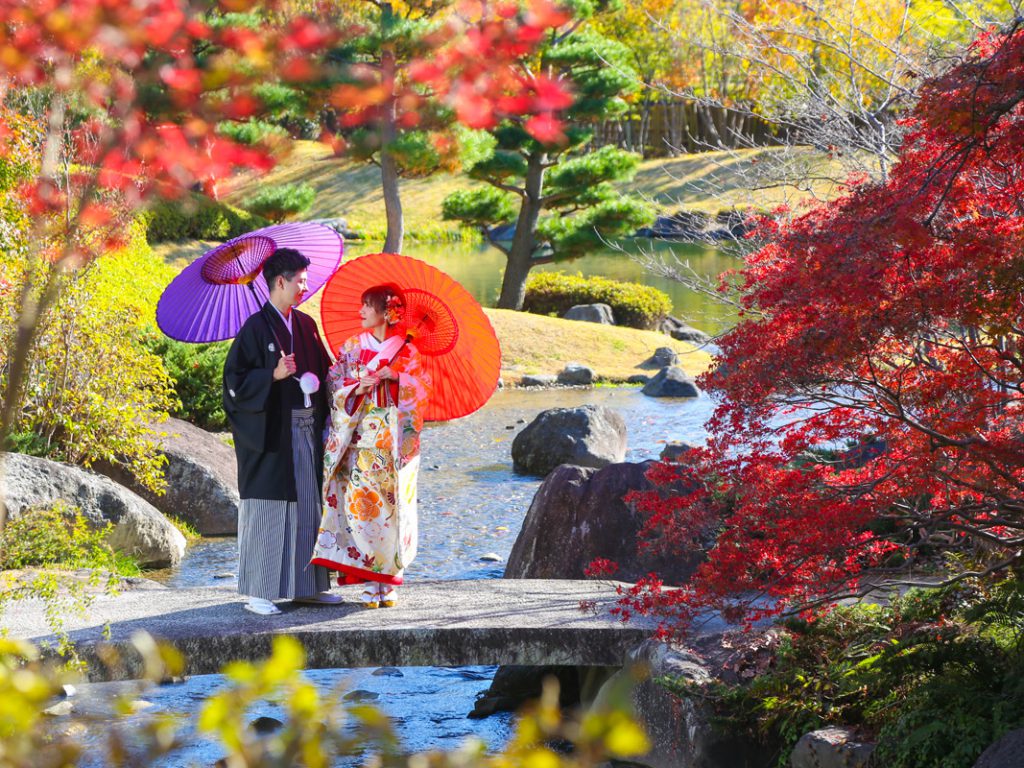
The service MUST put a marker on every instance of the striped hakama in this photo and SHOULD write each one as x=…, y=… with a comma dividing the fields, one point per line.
x=276, y=538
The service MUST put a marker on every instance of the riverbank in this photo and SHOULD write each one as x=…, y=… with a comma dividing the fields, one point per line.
x=707, y=182
x=535, y=344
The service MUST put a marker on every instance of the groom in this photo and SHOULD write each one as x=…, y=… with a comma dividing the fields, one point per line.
x=278, y=442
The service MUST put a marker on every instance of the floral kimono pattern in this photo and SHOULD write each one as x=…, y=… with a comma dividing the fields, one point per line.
x=368, y=531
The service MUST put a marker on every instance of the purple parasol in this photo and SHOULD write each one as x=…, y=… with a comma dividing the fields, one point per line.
x=214, y=295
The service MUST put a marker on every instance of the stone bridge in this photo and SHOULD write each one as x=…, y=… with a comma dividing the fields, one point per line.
x=436, y=623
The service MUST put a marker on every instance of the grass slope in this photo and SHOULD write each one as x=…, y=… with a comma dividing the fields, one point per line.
x=709, y=181
x=540, y=344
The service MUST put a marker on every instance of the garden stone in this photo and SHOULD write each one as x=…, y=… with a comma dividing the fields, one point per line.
x=672, y=451
x=831, y=748
x=638, y=378
x=671, y=382
x=589, y=436
x=663, y=357
x=578, y=515
x=537, y=380
x=692, y=335
x=514, y=684
x=576, y=375
x=140, y=530
x=680, y=331
x=202, y=479
x=590, y=313
x=264, y=725
x=1007, y=752
x=340, y=226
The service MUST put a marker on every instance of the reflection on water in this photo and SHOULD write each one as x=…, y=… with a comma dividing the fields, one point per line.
x=471, y=507
x=479, y=268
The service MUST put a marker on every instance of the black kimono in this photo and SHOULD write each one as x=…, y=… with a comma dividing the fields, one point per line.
x=259, y=408
x=279, y=447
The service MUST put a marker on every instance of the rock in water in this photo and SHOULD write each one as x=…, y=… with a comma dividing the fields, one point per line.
x=671, y=382
x=590, y=436
x=578, y=515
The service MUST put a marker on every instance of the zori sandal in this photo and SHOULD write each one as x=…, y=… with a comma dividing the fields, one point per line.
x=388, y=596
x=369, y=598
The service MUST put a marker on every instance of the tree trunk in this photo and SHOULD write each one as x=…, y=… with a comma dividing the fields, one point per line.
x=517, y=268
x=388, y=167
x=392, y=199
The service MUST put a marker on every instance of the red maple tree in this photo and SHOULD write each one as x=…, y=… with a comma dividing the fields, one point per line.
x=870, y=409
x=128, y=96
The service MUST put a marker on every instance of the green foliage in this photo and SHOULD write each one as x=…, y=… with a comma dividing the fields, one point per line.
x=92, y=388
x=196, y=371
x=317, y=730
x=197, y=217
x=634, y=305
x=278, y=98
x=578, y=173
x=59, y=535
x=572, y=236
x=251, y=131
x=278, y=202
x=937, y=677
x=479, y=207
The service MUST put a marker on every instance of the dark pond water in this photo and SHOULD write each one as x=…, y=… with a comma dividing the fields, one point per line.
x=471, y=508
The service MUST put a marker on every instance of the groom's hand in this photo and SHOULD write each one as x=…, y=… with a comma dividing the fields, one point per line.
x=285, y=367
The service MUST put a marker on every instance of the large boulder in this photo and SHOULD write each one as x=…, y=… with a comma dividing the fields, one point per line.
x=591, y=313
x=578, y=515
x=671, y=382
x=202, y=479
x=140, y=530
x=831, y=748
x=589, y=436
x=1007, y=752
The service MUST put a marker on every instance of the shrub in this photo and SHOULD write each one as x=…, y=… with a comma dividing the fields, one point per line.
x=196, y=370
x=59, y=535
x=92, y=388
x=935, y=677
x=277, y=202
x=197, y=217
x=252, y=131
x=634, y=305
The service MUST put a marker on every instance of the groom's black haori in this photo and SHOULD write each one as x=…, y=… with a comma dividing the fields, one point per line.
x=278, y=445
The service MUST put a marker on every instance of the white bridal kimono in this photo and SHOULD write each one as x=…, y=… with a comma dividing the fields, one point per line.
x=371, y=462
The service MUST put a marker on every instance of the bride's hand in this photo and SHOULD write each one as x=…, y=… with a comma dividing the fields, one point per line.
x=386, y=373
x=366, y=383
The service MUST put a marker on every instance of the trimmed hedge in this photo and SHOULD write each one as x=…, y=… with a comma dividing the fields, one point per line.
x=278, y=202
x=634, y=305
x=197, y=217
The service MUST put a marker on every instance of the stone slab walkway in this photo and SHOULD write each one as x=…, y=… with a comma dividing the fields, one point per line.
x=436, y=623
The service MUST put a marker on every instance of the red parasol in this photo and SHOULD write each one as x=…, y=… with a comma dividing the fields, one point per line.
x=455, y=339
